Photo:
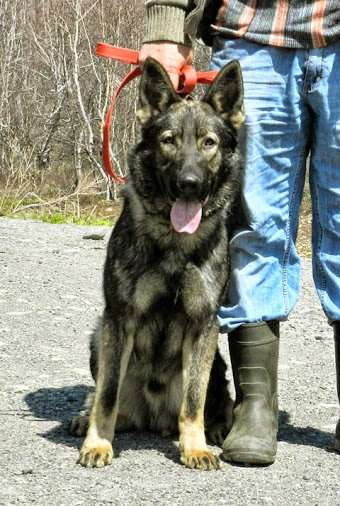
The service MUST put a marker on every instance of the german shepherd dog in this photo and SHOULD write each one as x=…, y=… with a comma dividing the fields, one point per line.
x=154, y=355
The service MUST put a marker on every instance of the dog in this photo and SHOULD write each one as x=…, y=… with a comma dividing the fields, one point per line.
x=154, y=355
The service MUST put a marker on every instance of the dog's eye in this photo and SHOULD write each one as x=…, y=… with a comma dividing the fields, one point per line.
x=209, y=141
x=168, y=139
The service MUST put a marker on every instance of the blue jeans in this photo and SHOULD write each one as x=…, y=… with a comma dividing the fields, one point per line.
x=292, y=105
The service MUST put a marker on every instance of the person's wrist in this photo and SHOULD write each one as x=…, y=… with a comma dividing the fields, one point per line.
x=169, y=54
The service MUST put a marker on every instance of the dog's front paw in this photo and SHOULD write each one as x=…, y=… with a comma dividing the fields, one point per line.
x=97, y=453
x=200, y=459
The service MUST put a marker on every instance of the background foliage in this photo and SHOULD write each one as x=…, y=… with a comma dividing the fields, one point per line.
x=54, y=91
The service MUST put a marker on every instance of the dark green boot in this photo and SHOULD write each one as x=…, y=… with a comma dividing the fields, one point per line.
x=254, y=351
x=336, y=327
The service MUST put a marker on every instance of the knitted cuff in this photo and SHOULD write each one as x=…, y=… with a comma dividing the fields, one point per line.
x=165, y=23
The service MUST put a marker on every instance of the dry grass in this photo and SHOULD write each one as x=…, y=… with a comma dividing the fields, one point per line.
x=84, y=206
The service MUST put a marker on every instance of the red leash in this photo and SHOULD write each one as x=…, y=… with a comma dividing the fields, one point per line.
x=188, y=77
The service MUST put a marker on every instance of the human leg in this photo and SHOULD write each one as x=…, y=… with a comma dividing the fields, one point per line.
x=265, y=266
x=321, y=93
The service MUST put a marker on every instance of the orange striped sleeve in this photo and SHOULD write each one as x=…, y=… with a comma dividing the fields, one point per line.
x=318, y=15
x=279, y=24
x=246, y=18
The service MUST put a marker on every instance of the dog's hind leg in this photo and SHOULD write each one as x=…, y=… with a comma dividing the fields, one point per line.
x=79, y=424
x=218, y=411
x=114, y=352
x=198, y=355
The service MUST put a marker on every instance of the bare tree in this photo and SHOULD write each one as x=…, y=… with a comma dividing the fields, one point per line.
x=54, y=91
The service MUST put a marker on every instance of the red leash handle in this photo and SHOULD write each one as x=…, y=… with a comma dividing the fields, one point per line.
x=107, y=127
x=188, y=79
x=125, y=56
x=117, y=53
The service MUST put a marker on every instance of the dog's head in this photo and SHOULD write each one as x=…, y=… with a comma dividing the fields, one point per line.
x=187, y=161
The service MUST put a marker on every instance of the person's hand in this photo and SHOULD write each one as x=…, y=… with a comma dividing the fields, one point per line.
x=169, y=54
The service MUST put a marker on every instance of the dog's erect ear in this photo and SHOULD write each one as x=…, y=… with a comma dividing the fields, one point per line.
x=156, y=92
x=225, y=94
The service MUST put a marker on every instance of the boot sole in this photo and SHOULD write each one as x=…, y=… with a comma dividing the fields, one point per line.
x=249, y=458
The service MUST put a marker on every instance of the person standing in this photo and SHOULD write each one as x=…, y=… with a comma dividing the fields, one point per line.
x=289, y=53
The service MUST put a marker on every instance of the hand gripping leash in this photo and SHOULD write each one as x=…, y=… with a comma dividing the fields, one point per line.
x=188, y=78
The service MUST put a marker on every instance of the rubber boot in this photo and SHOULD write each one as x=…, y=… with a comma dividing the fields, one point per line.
x=254, y=351
x=336, y=327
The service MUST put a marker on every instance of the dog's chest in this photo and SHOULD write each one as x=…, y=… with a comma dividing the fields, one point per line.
x=176, y=287
x=169, y=301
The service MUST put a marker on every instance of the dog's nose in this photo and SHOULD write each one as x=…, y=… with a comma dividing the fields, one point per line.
x=189, y=184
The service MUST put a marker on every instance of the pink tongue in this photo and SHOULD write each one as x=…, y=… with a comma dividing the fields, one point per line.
x=186, y=216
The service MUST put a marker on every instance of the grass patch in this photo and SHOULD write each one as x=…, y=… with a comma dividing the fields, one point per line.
x=60, y=218
x=78, y=209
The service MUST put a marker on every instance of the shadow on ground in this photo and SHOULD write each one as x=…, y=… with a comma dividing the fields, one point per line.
x=61, y=404
x=307, y=436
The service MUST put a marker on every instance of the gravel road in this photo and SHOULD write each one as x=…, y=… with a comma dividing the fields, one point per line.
x=50, y=296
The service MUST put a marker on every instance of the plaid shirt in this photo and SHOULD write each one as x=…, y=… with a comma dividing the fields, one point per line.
x=283, y=23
